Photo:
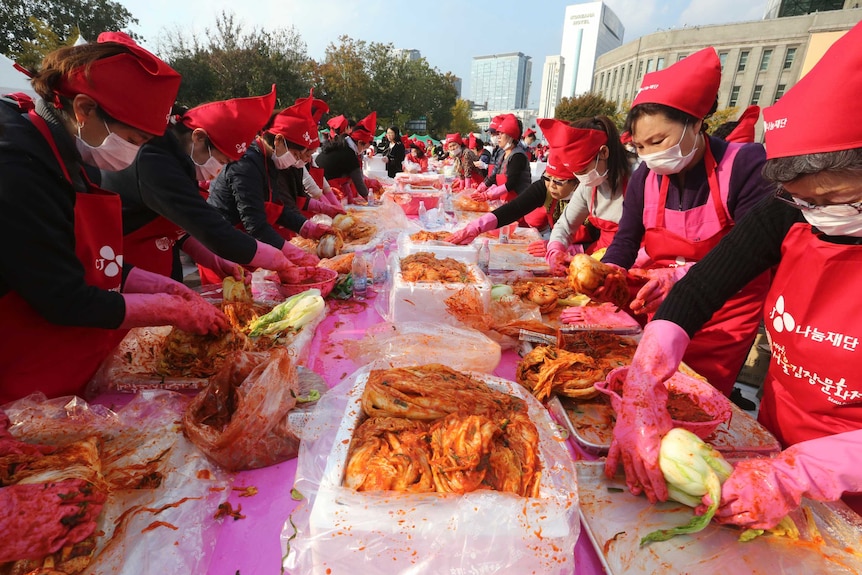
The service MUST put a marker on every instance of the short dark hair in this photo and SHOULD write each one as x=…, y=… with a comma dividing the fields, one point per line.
x=793, y=167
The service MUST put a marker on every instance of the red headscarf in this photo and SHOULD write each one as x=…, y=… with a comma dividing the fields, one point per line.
x=318, y=107
x=744, y=130
x=572, y=149
x=365, y=128
x=232, y=124
x=296, y=125
x=509, y=126
x=690, y=85
x=338, y=123
x=135, y=88
x=453, y=139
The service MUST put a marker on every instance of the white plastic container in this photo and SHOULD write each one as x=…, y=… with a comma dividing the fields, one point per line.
x=426, y=301
x=466, y=254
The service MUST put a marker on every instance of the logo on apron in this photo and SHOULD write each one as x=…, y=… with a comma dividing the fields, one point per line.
x=109, y=262
x=164, y=244
x=781, y=318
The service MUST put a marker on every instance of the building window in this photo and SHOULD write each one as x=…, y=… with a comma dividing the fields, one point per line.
x=629, y=74
x=614, y=81
x=764, y=60
x=734, y=97
x=780, y=91
x=788, y=58
x=660, y=65
x=680, y=57
x=640, y=68
x=755, y=96
x=649, y=66
x=722, y=58
x=743, y=60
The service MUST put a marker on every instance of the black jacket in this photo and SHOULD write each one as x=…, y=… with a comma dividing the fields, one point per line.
x=37, y=225
x=239, y=193
x=395, y=155
x=162, y=182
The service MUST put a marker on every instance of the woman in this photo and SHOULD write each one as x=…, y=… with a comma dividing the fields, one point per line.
x=416, y=161
x=483, y=156
x=314, y=182
x=392, y=150
x=162, y=205
x=258, y=191
x=512, y=176
x=685, y=198
x=465, y=172
x=341, y=159
x=574, y=150
x=66, y=296
x=812, y=231
x=591, y=219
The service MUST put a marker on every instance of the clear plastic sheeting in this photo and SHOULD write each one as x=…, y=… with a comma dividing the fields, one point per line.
x=336, y=530
x=163, y=491
x=416, y=343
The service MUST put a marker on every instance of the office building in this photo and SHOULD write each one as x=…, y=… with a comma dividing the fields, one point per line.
x=501, y=81
x=760, y=60
x=589, y=30
x=784, y=8
x=552, y=85
x=406, y=53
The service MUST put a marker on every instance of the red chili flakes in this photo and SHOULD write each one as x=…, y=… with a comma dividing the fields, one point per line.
x=205, y=474
x=249, y=491
x=226, y=510
x=157, y=524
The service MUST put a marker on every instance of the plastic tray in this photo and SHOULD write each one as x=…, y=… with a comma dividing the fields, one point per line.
x=407, y=521
x=515, y=257
x=615, y=521
x=590, y=425
x=467, y=254
x=426, y=301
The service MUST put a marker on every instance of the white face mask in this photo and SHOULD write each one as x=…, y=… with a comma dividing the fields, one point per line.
x=454, y=153
x=495, y=140
x=838, y=220
x=113, y=154
x=670, y=161
x=209, y=169
x=284, y=161
x=593, y=179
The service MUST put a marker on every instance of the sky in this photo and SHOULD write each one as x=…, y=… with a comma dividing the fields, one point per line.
x=448, y=33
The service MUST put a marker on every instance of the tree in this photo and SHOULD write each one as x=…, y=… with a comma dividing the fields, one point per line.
x=585, y=106
x=229, y=62
x=64, y=18
x=720, y=117
x=44, y=41
x=462, y=123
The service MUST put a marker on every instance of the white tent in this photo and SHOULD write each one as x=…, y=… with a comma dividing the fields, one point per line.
x=11, y=80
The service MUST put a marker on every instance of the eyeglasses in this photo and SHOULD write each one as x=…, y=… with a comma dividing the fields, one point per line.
x=558, y=183
x=839, y=210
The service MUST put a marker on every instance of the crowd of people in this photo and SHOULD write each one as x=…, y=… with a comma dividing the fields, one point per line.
x=104, y=181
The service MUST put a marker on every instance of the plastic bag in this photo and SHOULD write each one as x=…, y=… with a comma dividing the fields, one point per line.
x=416, y=343
x=158, y=517
x=340, y=531
x=241, y=420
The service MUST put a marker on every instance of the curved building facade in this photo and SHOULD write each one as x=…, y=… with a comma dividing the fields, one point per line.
x=760, y=60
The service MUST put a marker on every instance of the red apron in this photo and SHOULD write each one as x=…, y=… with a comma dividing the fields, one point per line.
x=813, y=317
x=272, y=208
x=151, y=247
x=343, y=188
x=607, y=228
x=316, y=175
x=673, y=238
x=55, y=359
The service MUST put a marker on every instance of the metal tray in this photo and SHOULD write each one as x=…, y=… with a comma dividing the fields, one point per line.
x=615, y=520
x=590, y=425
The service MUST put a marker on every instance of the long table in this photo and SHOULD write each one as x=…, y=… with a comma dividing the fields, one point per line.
x=251, y=546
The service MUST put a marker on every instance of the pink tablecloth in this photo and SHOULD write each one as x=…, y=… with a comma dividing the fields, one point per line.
x=251, y=546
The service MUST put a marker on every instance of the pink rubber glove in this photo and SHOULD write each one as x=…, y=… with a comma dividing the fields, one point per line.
x=661, y=281
x=481, y=189
x=222, y=267
x=269, y=258
x=314, y=231
x=642, y=417
x=330, y=195
x=760, y=492
x=142, y=281
x=298, y=256
x=191, y=314
x=480, y=225
x=496, y=192
x=538, y=248
x=458, y=185
x=324, y=207
x=558, y=259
